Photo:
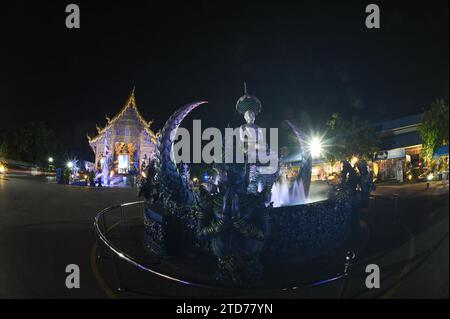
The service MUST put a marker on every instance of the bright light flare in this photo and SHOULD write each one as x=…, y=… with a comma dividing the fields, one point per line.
x=50, y=159
x=70, y=164
x=315, y=147
x=430, y=176
x=2, y=169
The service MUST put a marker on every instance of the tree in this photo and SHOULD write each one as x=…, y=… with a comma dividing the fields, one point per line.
x=434, y=128
x=349, y=138
x=31, y=143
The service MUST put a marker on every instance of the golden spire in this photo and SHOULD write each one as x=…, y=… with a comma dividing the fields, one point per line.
x=131, y=99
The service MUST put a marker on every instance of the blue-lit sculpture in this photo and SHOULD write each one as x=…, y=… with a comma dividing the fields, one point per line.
x=233, y=222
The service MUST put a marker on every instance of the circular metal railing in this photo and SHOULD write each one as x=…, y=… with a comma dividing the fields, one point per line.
x=101, y=231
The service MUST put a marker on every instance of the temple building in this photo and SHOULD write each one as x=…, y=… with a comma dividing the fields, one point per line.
x=126, y=143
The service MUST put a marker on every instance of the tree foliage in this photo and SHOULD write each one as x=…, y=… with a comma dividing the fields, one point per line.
x=32, y=143
x=434, y=128
x=347, y=138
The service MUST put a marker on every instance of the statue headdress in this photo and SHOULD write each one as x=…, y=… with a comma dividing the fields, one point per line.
x=248, y=102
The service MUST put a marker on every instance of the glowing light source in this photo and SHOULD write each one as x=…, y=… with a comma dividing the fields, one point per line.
x=124, y=164
x=50, y=159
x=70, y=164
x=315, y=147
x=195, y=179
x=430, y=176
x=2, y=169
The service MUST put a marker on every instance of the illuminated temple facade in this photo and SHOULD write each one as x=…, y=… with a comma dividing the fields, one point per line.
x=126, y=144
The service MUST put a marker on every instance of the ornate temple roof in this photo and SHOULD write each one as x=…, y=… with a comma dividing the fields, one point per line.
x=248, y=102
x=130, y=103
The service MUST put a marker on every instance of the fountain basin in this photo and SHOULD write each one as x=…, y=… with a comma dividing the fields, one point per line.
x=296, y=232
x=308, y=230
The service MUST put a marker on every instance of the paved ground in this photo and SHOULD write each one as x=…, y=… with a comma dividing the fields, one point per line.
x=412, y=251
x=44, y=227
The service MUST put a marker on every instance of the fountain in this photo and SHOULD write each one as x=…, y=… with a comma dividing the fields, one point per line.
x=235, y=224
x=285, y=193
x=295, y=192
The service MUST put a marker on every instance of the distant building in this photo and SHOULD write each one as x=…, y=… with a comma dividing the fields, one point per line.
x=320, y=168
x=400, y=144
x=126, y=143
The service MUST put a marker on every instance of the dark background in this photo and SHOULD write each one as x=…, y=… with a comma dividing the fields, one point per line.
x=301, y=58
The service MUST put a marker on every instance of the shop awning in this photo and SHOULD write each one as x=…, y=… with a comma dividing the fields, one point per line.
x=441, y=151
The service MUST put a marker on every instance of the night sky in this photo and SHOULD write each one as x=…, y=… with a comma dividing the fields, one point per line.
x=314, y=57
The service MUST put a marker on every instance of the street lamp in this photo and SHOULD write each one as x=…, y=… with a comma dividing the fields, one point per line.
x=50, y=159
x=70, y=164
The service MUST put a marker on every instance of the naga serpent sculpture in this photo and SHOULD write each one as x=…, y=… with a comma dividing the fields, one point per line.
x=233, y=221
x=306, y=158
